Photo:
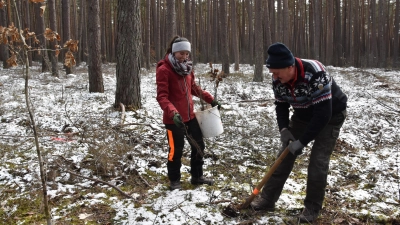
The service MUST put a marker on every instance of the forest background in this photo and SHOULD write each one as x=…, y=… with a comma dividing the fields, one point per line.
x=135, y=33
x=360, y=33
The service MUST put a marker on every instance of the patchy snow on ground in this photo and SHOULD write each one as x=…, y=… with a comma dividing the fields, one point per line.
x=363, y=184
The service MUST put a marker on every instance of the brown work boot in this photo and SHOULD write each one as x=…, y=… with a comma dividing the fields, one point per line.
x=262, y=204
x=201, y=180
x=308, y=216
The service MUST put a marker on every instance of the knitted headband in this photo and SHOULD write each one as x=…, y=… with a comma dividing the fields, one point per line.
x=181, y=46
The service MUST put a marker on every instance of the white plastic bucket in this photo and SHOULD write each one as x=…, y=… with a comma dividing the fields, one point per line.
x=210, y=122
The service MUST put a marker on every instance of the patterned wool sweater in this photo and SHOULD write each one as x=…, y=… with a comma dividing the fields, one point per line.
x=314, y=97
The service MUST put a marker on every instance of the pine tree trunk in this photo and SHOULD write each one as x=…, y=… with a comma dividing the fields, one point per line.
x=193, y=28
x=27, y=25
x=258, y=27
x=103, y=26
x=128, y=55
x=286, y=25
x=317, y=29
x=337, y=34
x=329, y=32
x=66, y=28
x=156, y=30
x=224, y=38
x=94, y=47
x=147, y=29
x=250, y=33
x=234, y=34
x=170, y=20
x=53, y=43
x=3, y=47
x=395, y=60
x=43, y=56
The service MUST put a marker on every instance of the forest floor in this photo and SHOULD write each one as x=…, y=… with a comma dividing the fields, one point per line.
x=89, y=150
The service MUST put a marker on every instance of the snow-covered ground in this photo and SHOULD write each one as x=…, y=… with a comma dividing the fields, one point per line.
x=79, y=132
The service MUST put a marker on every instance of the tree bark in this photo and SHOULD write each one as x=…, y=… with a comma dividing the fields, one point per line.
x=214, y=32
x=337, y=34
x=156, y=30
x=330, y=26
x=4, y=47
x=311, y=28
x=250, y=33
x=170, y=21
x=82, y=21
x=373, y=39
x=147, y=29
x=51, y=4
x=209, y=31
x=187, y=20
x=382, y=33
x=27, y=25
x=42, y=54
x=317, y=29
x=188, y=25
x=111, y=29
x=66, y=28
x=128, y=55
x=193, y=28
x=267, y=29
x=286, y=24
x=395, y=60
x=103, y=21
x=224, y=37
x=272, y=13
x=94, y=44
x=258, y=27
x=234, y=34
x=356, y=34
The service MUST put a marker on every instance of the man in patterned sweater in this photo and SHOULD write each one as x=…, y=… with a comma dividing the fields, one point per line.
x=319, y=110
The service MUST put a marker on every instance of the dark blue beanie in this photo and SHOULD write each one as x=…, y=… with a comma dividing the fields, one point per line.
x=279, y=56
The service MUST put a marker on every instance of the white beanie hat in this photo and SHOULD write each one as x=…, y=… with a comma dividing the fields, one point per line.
x=183, y=45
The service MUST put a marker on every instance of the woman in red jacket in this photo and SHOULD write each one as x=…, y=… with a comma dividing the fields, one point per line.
x=175, y=88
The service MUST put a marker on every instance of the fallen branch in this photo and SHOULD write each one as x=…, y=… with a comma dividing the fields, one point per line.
x=128, y=124
x=187, y=214
x=100, y=181
x=39, y=135
x=144, y=181
x=258, y=100
x=97, y=180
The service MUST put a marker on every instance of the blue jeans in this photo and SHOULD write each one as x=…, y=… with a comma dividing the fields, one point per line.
x=318, y=166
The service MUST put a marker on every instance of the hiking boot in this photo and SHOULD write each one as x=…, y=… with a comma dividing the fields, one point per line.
x=307, y=216
x=201, y=180
x=175, y=185
x=262, y=204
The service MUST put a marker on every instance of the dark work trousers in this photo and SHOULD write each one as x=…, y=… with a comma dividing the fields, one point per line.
x=176, y=141
x=318, y=166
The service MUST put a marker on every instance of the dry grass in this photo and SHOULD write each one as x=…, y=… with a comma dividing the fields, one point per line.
x=115, y=154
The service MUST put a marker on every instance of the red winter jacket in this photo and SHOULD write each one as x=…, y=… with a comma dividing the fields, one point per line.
x=175, y=92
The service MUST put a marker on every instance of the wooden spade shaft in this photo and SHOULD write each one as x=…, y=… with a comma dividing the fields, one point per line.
x=265, y=179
